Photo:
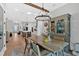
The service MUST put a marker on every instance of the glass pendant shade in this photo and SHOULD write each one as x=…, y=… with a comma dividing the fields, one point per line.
x=43, y=18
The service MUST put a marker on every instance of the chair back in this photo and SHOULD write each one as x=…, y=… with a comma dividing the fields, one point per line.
x=76, y=47
x=28, y=34
x=35, y=48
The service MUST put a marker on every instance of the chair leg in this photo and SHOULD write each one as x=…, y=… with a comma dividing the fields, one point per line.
x=54, y=53
x=38, y=51
x=63, y=52
x=25, y=49
x=30, y=52
x=57, y=53
x=50, y=54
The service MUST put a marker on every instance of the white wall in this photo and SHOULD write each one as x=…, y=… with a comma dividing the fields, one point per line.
x=15, y=27
x=72, y=9
x=9, y=26
x=30, y=25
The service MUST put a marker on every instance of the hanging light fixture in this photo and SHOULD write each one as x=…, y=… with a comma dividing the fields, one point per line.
x=42, y=17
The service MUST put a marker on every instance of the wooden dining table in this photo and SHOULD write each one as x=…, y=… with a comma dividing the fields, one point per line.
x=53, y=45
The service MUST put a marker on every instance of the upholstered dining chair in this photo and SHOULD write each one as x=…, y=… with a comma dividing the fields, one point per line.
x=36, y=50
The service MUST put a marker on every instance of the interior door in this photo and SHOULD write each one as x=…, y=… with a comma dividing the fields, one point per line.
x=1, y=28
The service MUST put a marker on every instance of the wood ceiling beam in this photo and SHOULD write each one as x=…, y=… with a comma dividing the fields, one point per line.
x=37, y=7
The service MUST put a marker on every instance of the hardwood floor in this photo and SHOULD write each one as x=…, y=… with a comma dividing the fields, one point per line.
x=15, y=42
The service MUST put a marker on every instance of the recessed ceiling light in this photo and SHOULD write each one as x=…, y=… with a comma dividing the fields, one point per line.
x=29, y=13
x=16, y=9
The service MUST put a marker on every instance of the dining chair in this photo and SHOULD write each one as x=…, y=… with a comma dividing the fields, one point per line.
x=76, y=49
x=36, y=50
x=27, y=43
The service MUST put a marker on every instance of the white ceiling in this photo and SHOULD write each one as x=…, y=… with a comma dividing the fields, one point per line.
x=50, y=6
x=19, y=12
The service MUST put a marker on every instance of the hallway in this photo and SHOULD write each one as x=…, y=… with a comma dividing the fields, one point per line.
x=14, y=43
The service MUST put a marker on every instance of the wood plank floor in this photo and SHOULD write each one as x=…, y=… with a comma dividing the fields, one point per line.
x=17, y=41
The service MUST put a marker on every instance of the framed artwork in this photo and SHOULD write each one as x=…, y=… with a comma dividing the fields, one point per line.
x=53, y=26
x=60, y=26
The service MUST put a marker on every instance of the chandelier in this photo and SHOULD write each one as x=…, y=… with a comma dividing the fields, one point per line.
x=43, y=17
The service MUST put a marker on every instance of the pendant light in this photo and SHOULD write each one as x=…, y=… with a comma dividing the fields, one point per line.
x=43, y=17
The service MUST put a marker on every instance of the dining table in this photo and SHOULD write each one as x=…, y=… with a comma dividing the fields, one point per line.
x=53, y=45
